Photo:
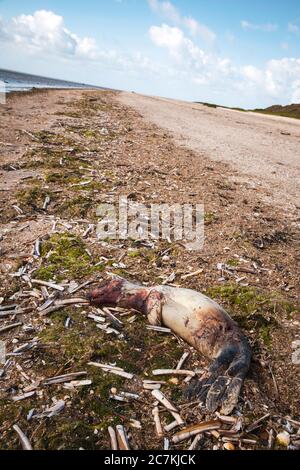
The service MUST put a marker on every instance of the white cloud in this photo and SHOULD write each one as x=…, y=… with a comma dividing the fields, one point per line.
x=293, y=28
x=252, y=73
x=44, y=31
x=278, y=80
x=284, y=45
x=267, y=27
x=167, y=9
x=194, y=27
x=3, y=34
x=44, y=34
x=168, y=37
x=188, y=66
x=229, y=36
x=178, y=45
x=296, y=92
x=198, y=29
x=188, y=58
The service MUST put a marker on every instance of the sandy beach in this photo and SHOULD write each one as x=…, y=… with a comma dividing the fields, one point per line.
x=63, y=152
x=264, y=150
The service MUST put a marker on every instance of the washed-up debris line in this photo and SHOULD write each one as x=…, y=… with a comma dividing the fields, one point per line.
x=81, y=377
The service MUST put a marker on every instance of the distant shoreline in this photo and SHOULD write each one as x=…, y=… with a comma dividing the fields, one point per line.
x=34, y=90
x=21, y=82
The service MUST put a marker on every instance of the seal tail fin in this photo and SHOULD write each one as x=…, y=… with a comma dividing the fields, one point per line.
x=221, y=385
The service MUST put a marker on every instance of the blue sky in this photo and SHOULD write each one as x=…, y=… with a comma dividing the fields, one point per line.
x=231, y=52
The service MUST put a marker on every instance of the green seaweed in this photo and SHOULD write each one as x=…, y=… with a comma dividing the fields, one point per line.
x=33, y=197
x=68, y=257
x=79, y=206
x=251, y=308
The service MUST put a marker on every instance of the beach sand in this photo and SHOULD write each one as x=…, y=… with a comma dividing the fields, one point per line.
x=65, y=152
x=264, y=150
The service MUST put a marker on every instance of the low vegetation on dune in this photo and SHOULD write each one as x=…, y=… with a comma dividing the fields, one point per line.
x=291, y=111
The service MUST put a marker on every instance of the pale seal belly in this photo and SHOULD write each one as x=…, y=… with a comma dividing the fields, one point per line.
x=199, y=321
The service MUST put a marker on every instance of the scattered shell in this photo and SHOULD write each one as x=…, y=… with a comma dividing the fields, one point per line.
x=283, y=439
x=25, y=443
x=229, y=446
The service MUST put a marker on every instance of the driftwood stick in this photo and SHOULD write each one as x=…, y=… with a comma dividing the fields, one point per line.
x=182, y=360
x=159, y=329
x=63, y=378
x=50, y=310
x=112, y=370
x=122, y=438
x=188, y=276
x=74, y=301
x=8, y=307
x=195, y=430
x=177, y=418
x=186, y=373
x=195, y=442
x=113, y=438
x=171, y=426
x=166, y=444
x=25, y=443
x=163, y=400
x=10, y=327
x=96, y=318
x=48, y=284
x=158, y=426
x=63, y=303
x=82, y=286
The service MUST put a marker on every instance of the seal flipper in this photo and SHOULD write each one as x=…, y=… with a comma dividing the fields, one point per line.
x=237, y=372
x=231, y=396
x=200, y=388
x=221, y=386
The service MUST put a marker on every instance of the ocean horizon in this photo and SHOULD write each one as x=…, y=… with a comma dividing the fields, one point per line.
x=19, y=81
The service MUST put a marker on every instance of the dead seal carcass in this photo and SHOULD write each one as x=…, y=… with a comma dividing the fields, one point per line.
x=198, y=320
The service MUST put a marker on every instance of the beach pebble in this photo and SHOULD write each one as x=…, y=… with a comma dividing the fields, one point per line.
x=174, y=381
x=283, y=439
x=229, y=446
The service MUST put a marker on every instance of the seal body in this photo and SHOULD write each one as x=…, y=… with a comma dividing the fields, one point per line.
x=195, y=318
x=199, y=321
